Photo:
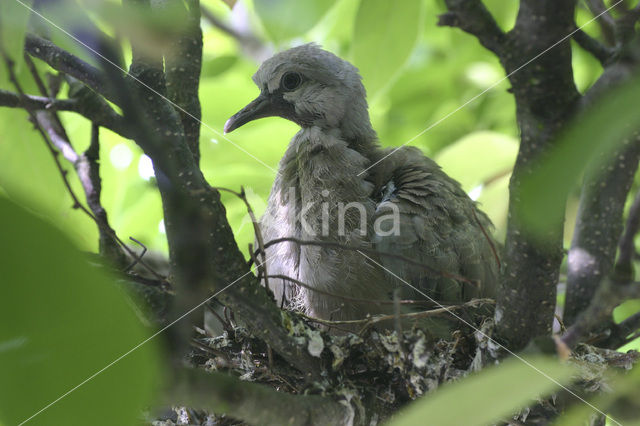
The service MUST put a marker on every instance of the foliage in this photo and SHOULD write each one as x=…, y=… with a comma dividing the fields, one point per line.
x=63, y=321
x=419, y=77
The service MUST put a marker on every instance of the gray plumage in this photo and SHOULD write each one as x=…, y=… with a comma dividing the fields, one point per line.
x=320, y=194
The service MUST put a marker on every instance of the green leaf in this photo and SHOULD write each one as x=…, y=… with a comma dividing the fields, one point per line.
x=216, y=66
x=491, y=395
x=384, y=36
x=61, y=322
x=479, y=158
x=286, y=19
x=592, y=137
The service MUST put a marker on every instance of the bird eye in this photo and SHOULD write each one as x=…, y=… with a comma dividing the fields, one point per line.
x=291, y=81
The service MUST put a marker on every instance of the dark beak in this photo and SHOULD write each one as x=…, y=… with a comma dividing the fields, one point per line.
x=260, y=107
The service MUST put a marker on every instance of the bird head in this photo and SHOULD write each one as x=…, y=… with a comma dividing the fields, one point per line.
x=311, y=87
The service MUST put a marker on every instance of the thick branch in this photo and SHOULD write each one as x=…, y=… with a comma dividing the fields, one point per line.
x=102, y=115
x=203, y=252
x=473, y=17
x=609, y=295
x=604, y=192
x=183, y=62
x=598, y=226
x=537, y=59
x=254, y=403
x=63, y=61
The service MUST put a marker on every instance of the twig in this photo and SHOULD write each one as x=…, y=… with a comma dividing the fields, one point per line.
x=136, y=259
x=606, y=21
x=411, y=315
x=225, y=324
x=67, y=150
x=61, y=60
x=249, y=43
x=599, y=51
x=473, y=17
x=349, y=298
x=373, y=252
x=105, y=117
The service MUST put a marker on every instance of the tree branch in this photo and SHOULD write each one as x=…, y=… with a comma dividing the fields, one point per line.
x=254, y=403
x=183, y=61
x=598, y=226
x=203, y=252
x=473, y=17
x=620, y=332
x=604, y=192
x=102, y=115
x=599, y=51
x=609, y=295
x=546, y=97
x=63, y=61
x=606, y=21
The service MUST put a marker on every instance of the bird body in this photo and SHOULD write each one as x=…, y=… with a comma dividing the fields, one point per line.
x=336, y=185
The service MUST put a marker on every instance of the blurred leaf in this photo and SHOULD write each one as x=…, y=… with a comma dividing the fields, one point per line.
x=621, y=402
x=626, y=309
x=286, y=19
x=592, y=137
x=69, y=26
x=29, y=176
x=489, y=396
x=482, y=162
x=479, y=158
x=216, y=66
x=14, y=16
x=62, y=321
x=384, y=36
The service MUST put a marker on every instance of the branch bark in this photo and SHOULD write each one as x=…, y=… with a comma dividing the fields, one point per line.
x=609, y=295
x=604, y=192
x=63, y=61
x=203, y=253
x=536, y=56
x=473, y=17
x=101, y=114
x=183, y=62
x=546, y=97
x=254, y=403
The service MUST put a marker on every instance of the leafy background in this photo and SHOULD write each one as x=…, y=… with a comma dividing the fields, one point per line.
x=435, y=87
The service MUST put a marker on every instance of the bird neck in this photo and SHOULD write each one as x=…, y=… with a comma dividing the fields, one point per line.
x=355, y=128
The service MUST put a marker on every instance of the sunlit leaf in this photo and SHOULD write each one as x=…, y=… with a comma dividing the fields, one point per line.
x=384, y=36
x=216, y=66
x=61, y=322
x=489, y=396
x=285, y=19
